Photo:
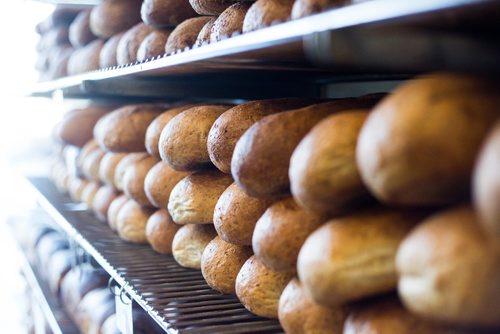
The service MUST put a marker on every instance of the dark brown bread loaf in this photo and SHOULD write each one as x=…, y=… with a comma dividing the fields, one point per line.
x=229, y=22
x=185, y=34
x=210, y=7
x=204, y=35
x=263, y=13
x=111, y=17
x=166, y=13
x=79, y=30
x=107, y=56
x=153, y=45
x=85, y=59
x=126, y=50
x=160, y=231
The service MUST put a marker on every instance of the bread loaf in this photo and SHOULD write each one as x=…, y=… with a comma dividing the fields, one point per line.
x=124, y=129
x=57, y=36
x=76, y=186
x=79, y=31
x=259, y=288
x=183, y=141
x=323, y=173
x=110, y=17
x=153, y=44
x=88, y=148
x=487, y=183
x=113, y=210
x=102, y=200
x=126, y=50
x=123, y=164
x=231, y=125
x=193, y=199
x=210, y=7
x=166, y=13
x=298, y=314
x=353, y=257
x=77, y=126
x=449, y=270
x=58, y=266
x=229, y=22
x=204, y=35
x=221, y=263
x=154, y=129
x=62, y=15
x=264, y=13
x=261, y=156
x=59, y=64
x=159, y=182
x=85, y=59
x=387, y=315
x=190, y=242
x=280, y=233
x=236, y=214
x=303, y=8
x=107, y=56
x=91, y=164
x=88, y=194
x=423, y=167
x=131, y=222
x=185, y=34
x=133, y=180
x=160, y=231
x=107, y=167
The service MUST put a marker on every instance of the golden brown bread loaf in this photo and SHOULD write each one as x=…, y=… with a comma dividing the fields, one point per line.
x=236, y=214
x=102, y=200
x=154, y=129
x=190, y=242
x=166, y=13
x=298, y=314
x=353, y=257
x=229, y=22
x=204, y=35
x=323, y=173
x=123, y=164
x=133, y=179
x=160, y=231
x=79, y=31
x=302, y=8
x=107, y=56
x=110, y=17
x=183, y=141
x=487, y=183
x=153, y=44
x=402, y=154
x=77, y=126
x=193, y=199
x=159, y=182
x=126, y=50
x=88, y=193
x=113, y=210
x=91, y=164
x=124, y=129
x=131, y=222
x=210, y=7
x=280, y=233
x=449, y=270
x=185, y=34
x=231, y=125
x=107, y=167
x=264, y=13
x=85, y=59
x=86, y=150
x=261, y=156
x=221, y=263
x=387, y=315
x=259, y=288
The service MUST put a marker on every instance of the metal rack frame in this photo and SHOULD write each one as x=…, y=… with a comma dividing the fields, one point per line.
x=333, y=40
x=178, y=299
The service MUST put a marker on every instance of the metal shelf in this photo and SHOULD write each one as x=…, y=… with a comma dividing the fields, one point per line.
x=56, y=317
x=345, y=44
x=178, y=299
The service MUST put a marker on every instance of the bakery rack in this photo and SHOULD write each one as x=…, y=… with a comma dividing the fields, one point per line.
x=53, y=312
x=178, y=299
x=365, y=42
